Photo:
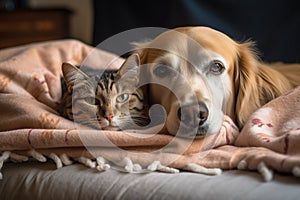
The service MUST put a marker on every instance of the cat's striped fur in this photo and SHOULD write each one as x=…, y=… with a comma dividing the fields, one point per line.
x=110, y=102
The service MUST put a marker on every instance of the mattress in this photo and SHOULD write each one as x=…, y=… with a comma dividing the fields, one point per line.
x=35, y=180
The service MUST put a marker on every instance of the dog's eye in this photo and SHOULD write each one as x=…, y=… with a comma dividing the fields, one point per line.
x=162, y=71
x=216, y=67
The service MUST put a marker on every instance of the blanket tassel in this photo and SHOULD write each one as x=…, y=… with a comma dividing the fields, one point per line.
x=203, y=170
x=57, y=160
x=266, y=173
x=65, y=159
x=101, y=165
x=5, y=155
x=242, y=165
x=157, y=166
x=33, y=153
x=129, y=166
x=18, y=158
x=87, y=162
x=296, y=171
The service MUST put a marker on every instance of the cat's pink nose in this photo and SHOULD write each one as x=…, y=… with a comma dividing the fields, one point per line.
x=109, y=117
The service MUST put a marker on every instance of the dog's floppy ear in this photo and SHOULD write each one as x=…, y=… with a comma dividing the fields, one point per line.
x=255, y=83
x=140, y=48
x=246, y=90
x=140, y=45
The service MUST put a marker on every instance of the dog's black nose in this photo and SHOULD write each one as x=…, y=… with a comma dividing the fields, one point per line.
x=203, y=112
x=193, y=115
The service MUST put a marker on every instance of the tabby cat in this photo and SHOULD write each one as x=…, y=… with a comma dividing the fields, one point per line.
x=109, y=102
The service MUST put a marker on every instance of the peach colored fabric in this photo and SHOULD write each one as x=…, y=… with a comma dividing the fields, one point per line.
x=30, y=91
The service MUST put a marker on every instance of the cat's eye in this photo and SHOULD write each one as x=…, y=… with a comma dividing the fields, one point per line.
x=122, y=98
x=216, y=67
x=90, y=100
x=162, y=71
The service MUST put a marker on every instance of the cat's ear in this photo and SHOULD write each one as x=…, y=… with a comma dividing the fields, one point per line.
x=72, y=73
x=130, y=67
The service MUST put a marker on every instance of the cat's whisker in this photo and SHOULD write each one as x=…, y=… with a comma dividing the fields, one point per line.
x=135, y=121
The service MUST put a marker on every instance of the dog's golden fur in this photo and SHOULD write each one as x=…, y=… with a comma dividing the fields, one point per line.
x=248, y=82
x=257, y=83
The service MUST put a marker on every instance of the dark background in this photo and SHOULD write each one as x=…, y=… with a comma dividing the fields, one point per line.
x=273, y=24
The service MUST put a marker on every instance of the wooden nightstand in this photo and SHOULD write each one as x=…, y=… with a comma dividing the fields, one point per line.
x=24, y=26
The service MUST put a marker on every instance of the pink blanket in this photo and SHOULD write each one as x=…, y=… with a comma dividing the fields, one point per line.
x=31, y=126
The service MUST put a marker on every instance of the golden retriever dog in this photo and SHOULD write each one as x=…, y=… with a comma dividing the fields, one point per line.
x=198, y=74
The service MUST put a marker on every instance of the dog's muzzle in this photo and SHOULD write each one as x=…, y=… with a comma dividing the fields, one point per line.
x=193, y=118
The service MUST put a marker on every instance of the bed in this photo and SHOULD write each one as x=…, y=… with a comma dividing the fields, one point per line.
x=44, y=156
